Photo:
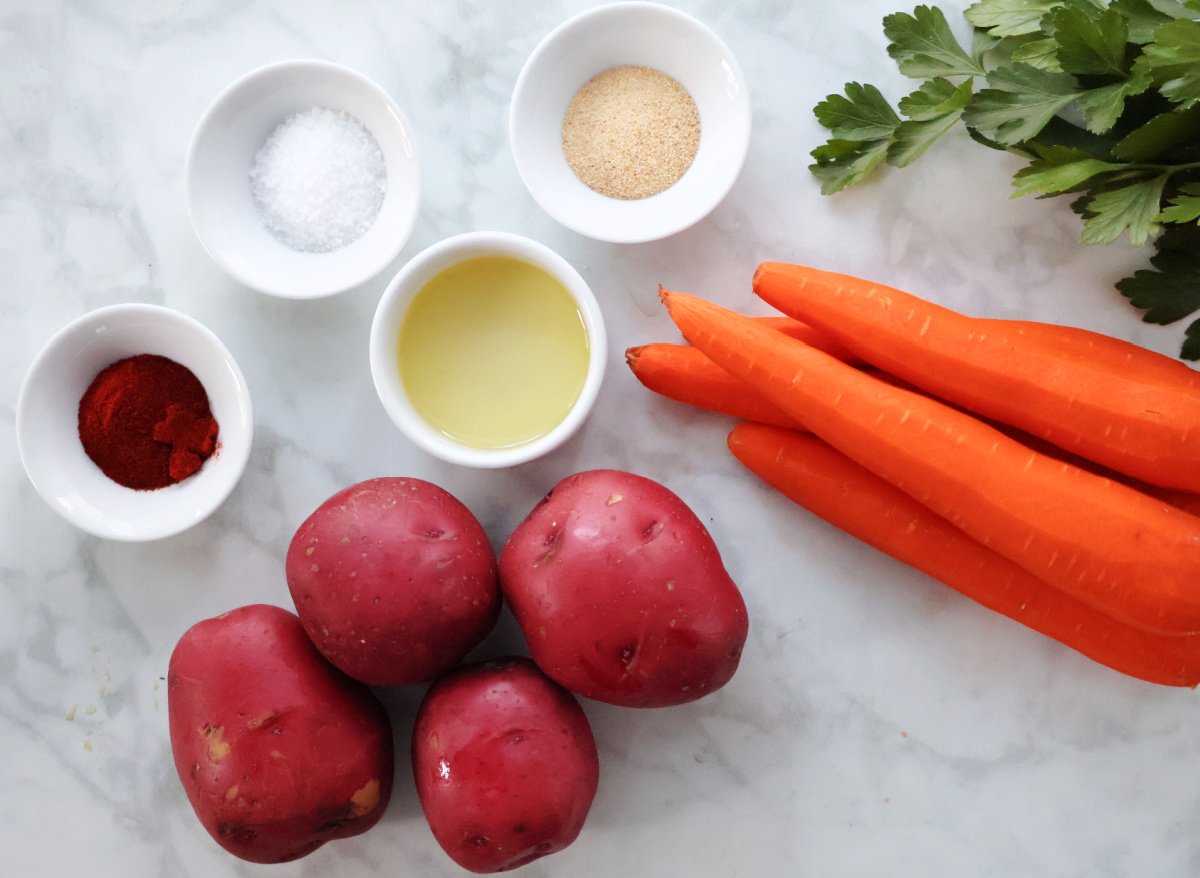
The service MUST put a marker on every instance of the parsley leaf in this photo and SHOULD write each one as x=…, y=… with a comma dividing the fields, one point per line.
x=1133, y=207
x=862, y=124
x=1092, y=42
x=1141, y=17
x=932, y=110
x=1103, y=106
x=1062, y=133
x=924, y=47
x=862, y=114
x=842, y=163
x=1174, y=58
x=1185, y=207
x=1009, y=18
x=1161, y=134
x=1042, y=54
x=935, y=99
x=1059, y=169
x=1177, y=8
x=1087, y=44
x=1019, y=103
x=983, y=45
x=1172, y=291
x=1166, y=297
x=1191, y=342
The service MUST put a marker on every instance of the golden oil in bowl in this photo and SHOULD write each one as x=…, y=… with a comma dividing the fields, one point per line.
x=493, y=352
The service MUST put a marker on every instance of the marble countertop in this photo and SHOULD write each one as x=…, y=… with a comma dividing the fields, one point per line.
x=879, y=724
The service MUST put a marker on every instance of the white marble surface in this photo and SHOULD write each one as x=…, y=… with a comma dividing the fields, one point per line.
x=879, y=723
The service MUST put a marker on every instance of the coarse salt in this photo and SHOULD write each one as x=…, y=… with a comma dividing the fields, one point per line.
x=319, y=180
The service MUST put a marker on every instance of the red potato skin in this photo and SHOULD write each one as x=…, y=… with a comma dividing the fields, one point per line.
x=621, y=592
x=505, y=764
x=278, y=751
x=394, y=580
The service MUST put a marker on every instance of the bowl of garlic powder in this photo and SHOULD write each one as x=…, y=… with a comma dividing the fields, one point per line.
x=302, y=179
x=630, y=122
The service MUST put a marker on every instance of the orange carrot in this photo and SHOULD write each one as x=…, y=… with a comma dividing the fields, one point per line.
x=682, y=373
x=1131, y=556
x=1097, y=349
x=1127, y=411
x=1185, y=500
x=803, y=332
x=800, y=331
x=833, y=487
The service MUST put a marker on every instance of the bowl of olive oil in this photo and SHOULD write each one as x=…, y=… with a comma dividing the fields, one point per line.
x=488, y=349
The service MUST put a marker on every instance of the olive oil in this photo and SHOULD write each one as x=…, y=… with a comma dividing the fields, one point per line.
x=493, y=352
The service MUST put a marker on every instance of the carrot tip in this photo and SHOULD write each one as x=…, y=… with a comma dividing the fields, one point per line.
x=672, y=298
x=631, y=356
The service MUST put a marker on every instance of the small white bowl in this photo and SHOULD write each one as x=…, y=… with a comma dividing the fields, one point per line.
x=646, y=35
x=221, y=156
x=48, y=422
x=389, y=317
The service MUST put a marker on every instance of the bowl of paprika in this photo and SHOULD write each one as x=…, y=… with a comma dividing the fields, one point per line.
x=134, y=422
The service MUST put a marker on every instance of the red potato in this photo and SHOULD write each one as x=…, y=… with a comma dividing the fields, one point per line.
x=278, y=751
x=394, y=580
x=621, y=592
x=505, y=764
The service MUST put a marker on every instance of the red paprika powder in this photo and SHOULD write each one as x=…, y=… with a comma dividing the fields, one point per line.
x=146, y=422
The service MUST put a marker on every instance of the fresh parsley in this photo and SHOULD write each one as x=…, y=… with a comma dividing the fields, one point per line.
x=1102, y=99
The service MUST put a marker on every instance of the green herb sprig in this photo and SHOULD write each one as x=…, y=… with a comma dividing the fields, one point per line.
x=1102, y=98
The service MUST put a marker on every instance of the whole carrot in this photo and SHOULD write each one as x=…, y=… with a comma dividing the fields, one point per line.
x=1071, y=342
x=835, y=488
x=682, y=373
x=1131, y=556
x=1128, y=411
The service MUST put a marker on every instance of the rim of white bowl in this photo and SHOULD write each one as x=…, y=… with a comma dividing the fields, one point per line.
x=394, y=304
x=353, y=280
x=563, y=29
x=245, y=406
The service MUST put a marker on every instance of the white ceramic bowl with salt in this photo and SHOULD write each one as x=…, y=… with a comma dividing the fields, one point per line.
x=642, y=35
x=221, y=204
